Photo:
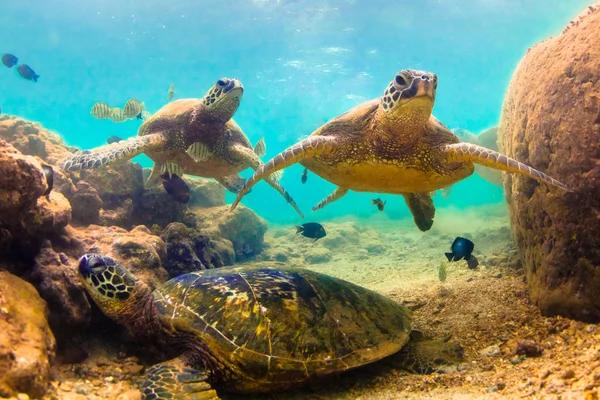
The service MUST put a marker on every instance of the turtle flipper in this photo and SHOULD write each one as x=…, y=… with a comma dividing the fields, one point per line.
x=253, y=161
x=423, y=355
x=309, y=147
x=337, y=194
x=233, y=183
x=114, y=152
x=467, y=152
x=422, y=208
x=174, y=380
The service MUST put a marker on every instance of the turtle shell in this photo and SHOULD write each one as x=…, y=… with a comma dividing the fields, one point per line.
x=276, y=326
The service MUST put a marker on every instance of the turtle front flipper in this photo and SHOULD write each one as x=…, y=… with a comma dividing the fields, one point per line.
x=233, y=183
x=308, y=148
x=467, y=152
x=113, y=153
x=253, y=161
x=336, y=195
x=174, y=380
x=422, y=355
x=422, y=208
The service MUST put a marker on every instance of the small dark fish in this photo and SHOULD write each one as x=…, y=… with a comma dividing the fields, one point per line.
x=380, y=204
x=304, y=175
x=176, y=187
x=49, y=174
x=113, y=139
x=312, y=230
x=461, y=248
x=139, y=116
x=26, y=72
x=9, y=60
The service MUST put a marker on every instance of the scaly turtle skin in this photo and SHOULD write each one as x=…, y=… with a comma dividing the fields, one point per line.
x=258, y=329
x=189, y=136
x=392, y=145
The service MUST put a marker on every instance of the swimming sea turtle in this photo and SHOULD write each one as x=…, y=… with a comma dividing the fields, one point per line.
x=257, y=328
x=392, y=145
x=189, y=136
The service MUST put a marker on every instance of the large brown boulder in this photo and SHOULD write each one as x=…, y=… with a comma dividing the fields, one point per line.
x=551, y=121
x=26, y=343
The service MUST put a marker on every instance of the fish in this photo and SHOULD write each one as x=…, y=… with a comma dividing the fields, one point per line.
x=380, y=204
x=49, y=174
x=171, y=92
x=304, y=175
x=113, y=139
x=132, y=108
x=277, y=175
x=9, y=60
x=171, y=168
x=145, y=115
x=311, y=230
x=260, y=148
x=176, y=187
x=461, y=248
x=198, y=151
x=446, y=192
x=117, y=115
x=100, y=110
x=26, y=72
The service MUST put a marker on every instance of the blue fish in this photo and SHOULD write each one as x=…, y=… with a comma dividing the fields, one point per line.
x=26, y=72
x=461, y=248
x=9, y=60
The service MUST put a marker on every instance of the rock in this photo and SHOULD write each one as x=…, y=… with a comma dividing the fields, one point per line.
x=188, y=250
x=243, y=227
x=22, y=182
x=51, y=214
x=551, y=121
x=86, y=204
x=205, y=193
x=26, y=344
x=115, y=182
x=492, y=351
x=155, y=207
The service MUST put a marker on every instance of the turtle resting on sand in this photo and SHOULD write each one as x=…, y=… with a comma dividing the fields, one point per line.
x=258, y=329
x=189, y=136
x=392, y=145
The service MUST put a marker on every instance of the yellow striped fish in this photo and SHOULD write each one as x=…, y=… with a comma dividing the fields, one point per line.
x=132, y=108
x=145, y=115
x=198, y=151
x=277, y=175
x=117, y=115
x=260, y=148
x=100, y=110
x=172, y=168
x=171, y=92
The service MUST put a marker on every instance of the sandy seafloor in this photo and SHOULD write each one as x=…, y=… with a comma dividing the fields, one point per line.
x=487, y=311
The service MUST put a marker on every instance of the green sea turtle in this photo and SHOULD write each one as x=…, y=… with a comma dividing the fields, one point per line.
x=258, y=328
x=392, y=145
x=189, y=136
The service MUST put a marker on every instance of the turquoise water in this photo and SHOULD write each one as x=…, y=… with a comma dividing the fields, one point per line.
x=301, y=62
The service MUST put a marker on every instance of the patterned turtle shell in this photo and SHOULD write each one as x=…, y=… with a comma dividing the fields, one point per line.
x=278, y=326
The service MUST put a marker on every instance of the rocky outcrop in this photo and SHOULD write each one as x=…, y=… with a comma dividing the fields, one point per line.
x=243, y=227
x=551, y=121
x=27, y=345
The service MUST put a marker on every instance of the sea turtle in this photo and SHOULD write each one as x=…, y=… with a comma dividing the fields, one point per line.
x=258, y=328
x=189, y=136
x=392, y=145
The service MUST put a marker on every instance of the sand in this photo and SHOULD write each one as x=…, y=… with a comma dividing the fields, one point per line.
x=511, y=350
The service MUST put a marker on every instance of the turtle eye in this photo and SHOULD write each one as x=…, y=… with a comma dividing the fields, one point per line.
x=400, y=80
x=221, y=82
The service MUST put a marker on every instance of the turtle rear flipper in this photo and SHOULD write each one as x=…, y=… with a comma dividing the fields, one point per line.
x=253, y=161
x=422, y=208
x=309, y=147
x=467, y=152
x=113, y=153
x=422, y=355
x=174, y=380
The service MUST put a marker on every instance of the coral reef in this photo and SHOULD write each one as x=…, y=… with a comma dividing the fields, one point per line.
x=551, y=121
x=27, y=344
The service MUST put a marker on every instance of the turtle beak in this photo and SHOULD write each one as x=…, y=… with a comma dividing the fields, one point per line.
x=425, y=86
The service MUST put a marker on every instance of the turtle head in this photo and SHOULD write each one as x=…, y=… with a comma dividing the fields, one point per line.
x=114, y=289
x=223, y=98
x=409, y=98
